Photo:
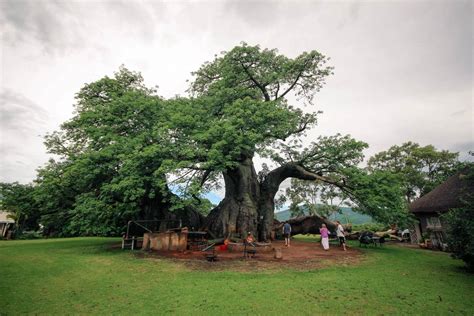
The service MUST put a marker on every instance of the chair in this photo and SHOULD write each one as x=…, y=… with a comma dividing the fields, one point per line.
x=211, y=256
x=406, y=236
x=381, y=240
x=366, y=239
x=249, y=249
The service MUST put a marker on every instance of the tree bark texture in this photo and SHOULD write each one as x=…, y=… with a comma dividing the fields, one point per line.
x=269, y=188
x=237, y=212
x=248, y=205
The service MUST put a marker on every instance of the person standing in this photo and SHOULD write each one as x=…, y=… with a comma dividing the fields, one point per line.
x=340, y=235
x=287, y=233
x=250, y=239
x=324, y=236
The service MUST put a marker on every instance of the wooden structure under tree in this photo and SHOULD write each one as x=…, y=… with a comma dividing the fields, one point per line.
x=154, y=234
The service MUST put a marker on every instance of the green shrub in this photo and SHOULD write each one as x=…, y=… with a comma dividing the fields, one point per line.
x=460, y=234
x=29, y=235
x=460, y=230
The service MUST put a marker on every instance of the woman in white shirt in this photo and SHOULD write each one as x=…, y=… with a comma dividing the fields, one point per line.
x=340, y=235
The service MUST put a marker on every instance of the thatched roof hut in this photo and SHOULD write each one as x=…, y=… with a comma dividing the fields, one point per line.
x=444, y=197
x=441, y=199
x=5, y=218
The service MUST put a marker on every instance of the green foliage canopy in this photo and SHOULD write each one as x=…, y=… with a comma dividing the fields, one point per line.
x=109, y=154
x=19, y=200
x=421, y=168
x=125, y=147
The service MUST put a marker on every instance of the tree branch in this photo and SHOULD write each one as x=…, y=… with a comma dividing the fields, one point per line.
x=277, y=90
x=261, y=87
x=293, y=170
x=204, y=178
x=296, y=80
x=291, y=86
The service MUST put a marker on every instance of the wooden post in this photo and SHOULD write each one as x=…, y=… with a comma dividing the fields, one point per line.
x=174, y=241
x=278, y=253
x=165, y=241
x=183, y=241
x=146, y=241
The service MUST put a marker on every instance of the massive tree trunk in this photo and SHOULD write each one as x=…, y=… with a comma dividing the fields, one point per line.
x=269, y=188
x=237, y=212
x=249, y=206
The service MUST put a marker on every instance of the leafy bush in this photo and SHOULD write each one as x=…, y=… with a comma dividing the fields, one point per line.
x=29, y=235
x=460, y=231
x=461, y=235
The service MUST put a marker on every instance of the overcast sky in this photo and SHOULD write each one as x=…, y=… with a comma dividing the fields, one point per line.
x=403, y=69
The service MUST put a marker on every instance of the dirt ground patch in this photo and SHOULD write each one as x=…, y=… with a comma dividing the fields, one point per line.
x=302, y=255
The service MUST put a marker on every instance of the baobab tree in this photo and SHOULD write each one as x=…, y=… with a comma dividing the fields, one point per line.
x=126, y=151
x=239, y=108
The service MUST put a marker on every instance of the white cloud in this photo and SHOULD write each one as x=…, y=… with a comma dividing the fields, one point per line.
x=403, y=69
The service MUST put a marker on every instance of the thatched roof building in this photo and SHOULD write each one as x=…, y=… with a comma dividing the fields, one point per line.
x=444, y=197
x=5, y=218
x=428, y=208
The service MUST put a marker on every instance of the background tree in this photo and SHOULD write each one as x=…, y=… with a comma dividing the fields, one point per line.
x=420, y=168
x=313, y=198
x=378, y=194
x=110, y=153
x=18, y=199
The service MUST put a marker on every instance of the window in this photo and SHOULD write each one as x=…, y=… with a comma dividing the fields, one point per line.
x=433, y=222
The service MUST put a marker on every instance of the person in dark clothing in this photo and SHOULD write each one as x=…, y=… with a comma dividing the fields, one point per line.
x=287, y=233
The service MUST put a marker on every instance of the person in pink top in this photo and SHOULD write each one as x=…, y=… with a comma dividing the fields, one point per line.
x=324, y=236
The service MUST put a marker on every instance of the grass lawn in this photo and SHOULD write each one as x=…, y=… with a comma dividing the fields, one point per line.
x=85, y=276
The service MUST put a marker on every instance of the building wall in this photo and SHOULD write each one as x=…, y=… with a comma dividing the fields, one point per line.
x=5, y=228
x=433, y=228
x=415, y=233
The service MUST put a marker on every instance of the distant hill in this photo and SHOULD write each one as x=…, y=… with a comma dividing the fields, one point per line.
x=347, y=216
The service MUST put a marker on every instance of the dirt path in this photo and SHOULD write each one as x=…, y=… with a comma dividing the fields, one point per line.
x=302, y=255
